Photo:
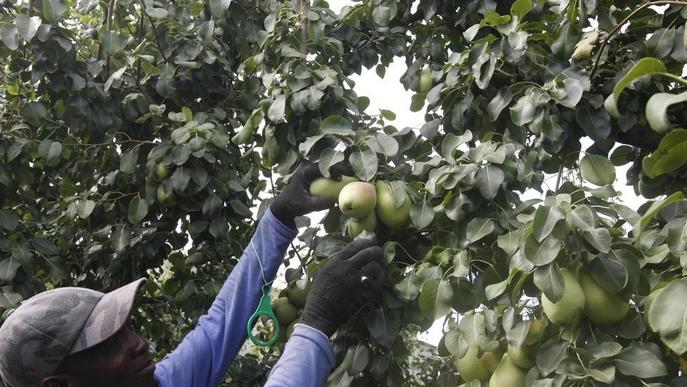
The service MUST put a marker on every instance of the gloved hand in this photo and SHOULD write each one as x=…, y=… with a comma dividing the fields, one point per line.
x=344, y=285
x=295, y=200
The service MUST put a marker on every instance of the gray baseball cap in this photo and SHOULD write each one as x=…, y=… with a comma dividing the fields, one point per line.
x=46, y=328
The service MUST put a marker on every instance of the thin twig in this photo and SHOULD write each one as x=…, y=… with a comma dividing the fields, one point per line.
x=304, y=26
x=558, y=180
x=625, y=20
x=157, y=39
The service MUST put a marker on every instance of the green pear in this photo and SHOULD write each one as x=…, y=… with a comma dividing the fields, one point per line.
x=570, y=306
x=470, y=367
x=357, y=226
x=425, y=80
x=357, y=199
x=602, y=306
x=507, y=374
x=329, y=188
x=297, y=292
x=392, y=216
x=161, y=170
x=284, y=310
x=521, y=356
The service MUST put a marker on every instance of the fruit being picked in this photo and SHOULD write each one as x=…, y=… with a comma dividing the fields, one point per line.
x=357, y=199
x=392, y=216
x=570, y=305
x=357, y=226
x=284, y=310
x=602, y=306
x=297, y=292
x=329, y=188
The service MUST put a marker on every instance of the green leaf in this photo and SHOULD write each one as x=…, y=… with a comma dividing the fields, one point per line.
x=113, y=42
x=211, y=204
x=8, y=219
x=53, y=10
x=478, y=228
x=526, y=109
x=9, y=35
x=622, y=155
x=27, y=26
x=597, y=169
x=599, y=238
x=180, y=178
x=657, y=109
x=35, y=113
x=138, y=209
x=360, y=359
x=337, y=125
x=422, y=215
x=520, y=8
x=641, y=363
x=549, y=280
x=117, y=75
x=583, y=218
x=120, y=238
x=595, y=122
x=50, y=151
x=45, y=247
x=509, y=242
x=417, y=102
x=387, y=144
x=545, y=219
x=644, y=67
x=406, y=289
x=668, y=315
x=550, y=355
x=85, y=208
x=329, y=157
x=277, y=111
x=436, y=298
x=129, y=161
x=8, y=269
x=610, y=271
x=543, y=253
x=494, y=290
x=364, y=164
x=489, y=181
x=653, y=210
x=670, y=155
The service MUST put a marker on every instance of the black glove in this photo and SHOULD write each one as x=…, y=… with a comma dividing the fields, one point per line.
x=344, y=285
x=295, y=200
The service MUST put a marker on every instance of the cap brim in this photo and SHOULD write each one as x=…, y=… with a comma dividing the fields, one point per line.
x=108, y=317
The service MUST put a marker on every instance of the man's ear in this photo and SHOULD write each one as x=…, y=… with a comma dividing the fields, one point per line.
x=60, y=380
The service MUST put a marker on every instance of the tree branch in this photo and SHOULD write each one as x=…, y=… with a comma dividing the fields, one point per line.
x=625, y=20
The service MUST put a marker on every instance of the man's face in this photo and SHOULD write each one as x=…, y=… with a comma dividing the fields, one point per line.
x=122, y=360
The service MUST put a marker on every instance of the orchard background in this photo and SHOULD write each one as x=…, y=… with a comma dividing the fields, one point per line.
x=129, y=128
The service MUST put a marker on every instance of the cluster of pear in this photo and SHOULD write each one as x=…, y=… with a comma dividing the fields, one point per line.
x=583, y=294
x=287, y=308
x=499, y=368
x=165, y=193
x=364, y=204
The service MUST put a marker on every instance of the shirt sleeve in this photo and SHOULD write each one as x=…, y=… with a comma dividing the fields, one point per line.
x=306, y=362
x=203, y=357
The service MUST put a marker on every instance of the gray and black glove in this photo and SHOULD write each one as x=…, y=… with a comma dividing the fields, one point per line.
x=344, y=285
x=296, y=200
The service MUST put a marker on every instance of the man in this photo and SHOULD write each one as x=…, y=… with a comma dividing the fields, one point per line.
x=76, y=337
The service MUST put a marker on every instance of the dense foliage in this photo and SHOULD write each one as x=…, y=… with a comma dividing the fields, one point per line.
x=131, y=128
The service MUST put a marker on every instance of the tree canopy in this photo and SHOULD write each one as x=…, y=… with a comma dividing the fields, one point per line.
x=137, y=137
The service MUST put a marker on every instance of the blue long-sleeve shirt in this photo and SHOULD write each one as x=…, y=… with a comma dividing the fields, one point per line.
x=203, y=357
